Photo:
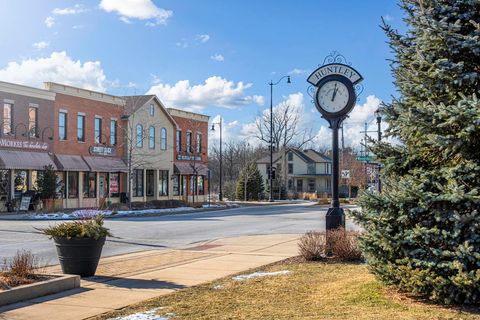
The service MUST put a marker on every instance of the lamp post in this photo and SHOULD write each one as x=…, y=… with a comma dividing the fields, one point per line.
x=379, y=129
x=271, y=84
x=220, y=194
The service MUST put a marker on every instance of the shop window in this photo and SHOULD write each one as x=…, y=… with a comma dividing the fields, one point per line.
x=193, y=186
x=137, y=185
x=189, y=142
x=62, y=125
x=113, y=132
x=175, y=185
x=200, y=188
x=4, y=182
x=114, y=185
x=20, y=181
x=178, y=143
x=81, y=127
x=72, y=179
x=7, y=118
x=184, y=185
x=33, y=122
x=98, y=130
x=163, y=139
x=150, y=182
x=198, y=147
x=90, y=185
x=60, y=192
x=163, y=183
x=151, y=138
x=139, y=138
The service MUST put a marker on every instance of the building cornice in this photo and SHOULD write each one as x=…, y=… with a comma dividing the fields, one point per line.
x=83, y=93
x=188, y=115
x=14, y=88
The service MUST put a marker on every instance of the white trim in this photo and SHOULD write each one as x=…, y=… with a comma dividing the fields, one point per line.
x=8, y=101
x=63, y=110
x=33, y=105
x=98, y=117
x=81, y=114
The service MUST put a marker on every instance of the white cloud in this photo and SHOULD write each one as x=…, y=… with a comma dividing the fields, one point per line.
x=297, y=72
x=137, y=9
x=202, y=38
x=182, y=44
x=58, y=67
x=40, y=45
x=78, y=27
x=229, y=129
x=387, y=17
x=76, y=9
x=214, y=92
x=353, y=125
x=50, y=22
x=217, y=57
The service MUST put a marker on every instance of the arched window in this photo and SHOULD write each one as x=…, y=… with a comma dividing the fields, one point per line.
x=151, y=137
x=163, y=139
x=139, y=136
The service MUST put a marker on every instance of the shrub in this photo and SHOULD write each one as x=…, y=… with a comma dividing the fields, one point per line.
x=85, y=228
x=312, y=246
x=23, y=268
x=344, y=245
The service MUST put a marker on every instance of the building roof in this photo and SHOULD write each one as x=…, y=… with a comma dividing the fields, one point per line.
x=26, y=91
x=188, y=114
x=133, y=103
x=83, y=93
x=308, y=156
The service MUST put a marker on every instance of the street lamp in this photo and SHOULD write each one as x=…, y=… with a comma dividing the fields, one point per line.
x=271, y=83
x=220, y=194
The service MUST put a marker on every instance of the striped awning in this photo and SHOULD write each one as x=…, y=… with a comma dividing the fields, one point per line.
x=66, y=162
x=11, y=159
x=106, y=164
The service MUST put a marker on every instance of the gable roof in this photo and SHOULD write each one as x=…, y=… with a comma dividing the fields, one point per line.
x=308, y=156
x=134, y=103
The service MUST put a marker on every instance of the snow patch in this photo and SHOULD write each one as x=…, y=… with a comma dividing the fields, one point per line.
x=218, y=287
x=147, y=315
x=259, y=274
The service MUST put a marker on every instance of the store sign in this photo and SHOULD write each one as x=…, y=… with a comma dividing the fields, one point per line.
x=188, y=157
x=19, y=144
x=103, y=151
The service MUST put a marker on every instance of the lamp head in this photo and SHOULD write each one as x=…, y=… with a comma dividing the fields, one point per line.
x=288, y=80
x=213, y=127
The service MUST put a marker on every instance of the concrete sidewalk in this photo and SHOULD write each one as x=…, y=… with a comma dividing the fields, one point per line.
x=127, y=279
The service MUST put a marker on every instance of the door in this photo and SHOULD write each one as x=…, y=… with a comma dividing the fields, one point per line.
x=102, y=185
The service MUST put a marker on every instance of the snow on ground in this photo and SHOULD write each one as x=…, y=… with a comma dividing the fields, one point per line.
x=87, y=213
x=259, y=274
x=147, y=315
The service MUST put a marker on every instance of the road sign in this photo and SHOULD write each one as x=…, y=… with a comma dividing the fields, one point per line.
x=365, y=158
x=345, y=174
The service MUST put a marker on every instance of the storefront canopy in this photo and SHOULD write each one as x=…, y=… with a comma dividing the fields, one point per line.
x=106, y=164
x=70, y=163
x=190, y=168
x=10, y=159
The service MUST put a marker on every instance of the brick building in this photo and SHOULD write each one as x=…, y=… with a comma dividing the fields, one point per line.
x=190, y=179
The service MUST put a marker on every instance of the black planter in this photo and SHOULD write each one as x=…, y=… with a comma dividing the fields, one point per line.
x=79, y=255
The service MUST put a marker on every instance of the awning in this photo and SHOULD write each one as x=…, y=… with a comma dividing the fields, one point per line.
x=66, y=162
x=106, y=164
x=188, y=168
x=10, y=159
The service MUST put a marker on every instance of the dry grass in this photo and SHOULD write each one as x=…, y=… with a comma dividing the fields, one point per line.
x=23, y=268
x=312, y=290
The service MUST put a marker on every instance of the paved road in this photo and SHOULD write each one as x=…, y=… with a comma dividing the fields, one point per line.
x=143, y=233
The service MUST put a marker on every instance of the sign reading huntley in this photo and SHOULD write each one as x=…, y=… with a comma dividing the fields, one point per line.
x=19, y=144
x=103, y=151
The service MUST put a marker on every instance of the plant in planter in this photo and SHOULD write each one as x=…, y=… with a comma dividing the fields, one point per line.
x=49, y=185
x=79, y=244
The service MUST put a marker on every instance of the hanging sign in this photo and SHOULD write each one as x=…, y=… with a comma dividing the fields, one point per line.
x=103, y=151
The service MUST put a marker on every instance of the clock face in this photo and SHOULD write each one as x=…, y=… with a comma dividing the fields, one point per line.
x=333, y=96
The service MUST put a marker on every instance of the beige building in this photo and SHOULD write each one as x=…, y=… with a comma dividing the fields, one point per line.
x=149, y=151
x=306, y=171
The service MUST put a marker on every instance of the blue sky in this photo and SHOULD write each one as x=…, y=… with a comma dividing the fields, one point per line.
x=214, y=56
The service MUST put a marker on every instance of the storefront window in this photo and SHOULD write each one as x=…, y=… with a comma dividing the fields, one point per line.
x=200, y=188
x=163, y=183
x=20, y=182
x=184, y=185
x=114, y=185
x=89, y=185
x=60, y=184
x=192, y=185
x=150, y=181
x=73, y=185
x=35, y=175
x=4, y=178
x=175, y=185
x=137, y=185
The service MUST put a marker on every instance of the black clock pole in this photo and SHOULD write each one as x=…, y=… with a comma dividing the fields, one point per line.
x=335, y=217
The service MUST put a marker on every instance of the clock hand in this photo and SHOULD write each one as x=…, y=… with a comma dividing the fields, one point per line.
x=334, y=92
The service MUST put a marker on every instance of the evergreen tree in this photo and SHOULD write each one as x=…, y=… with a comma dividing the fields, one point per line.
x=254, y=182
x=423, y=231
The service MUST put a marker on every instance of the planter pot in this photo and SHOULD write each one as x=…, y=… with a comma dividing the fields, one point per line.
x=52, y=204
x=79, y=255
